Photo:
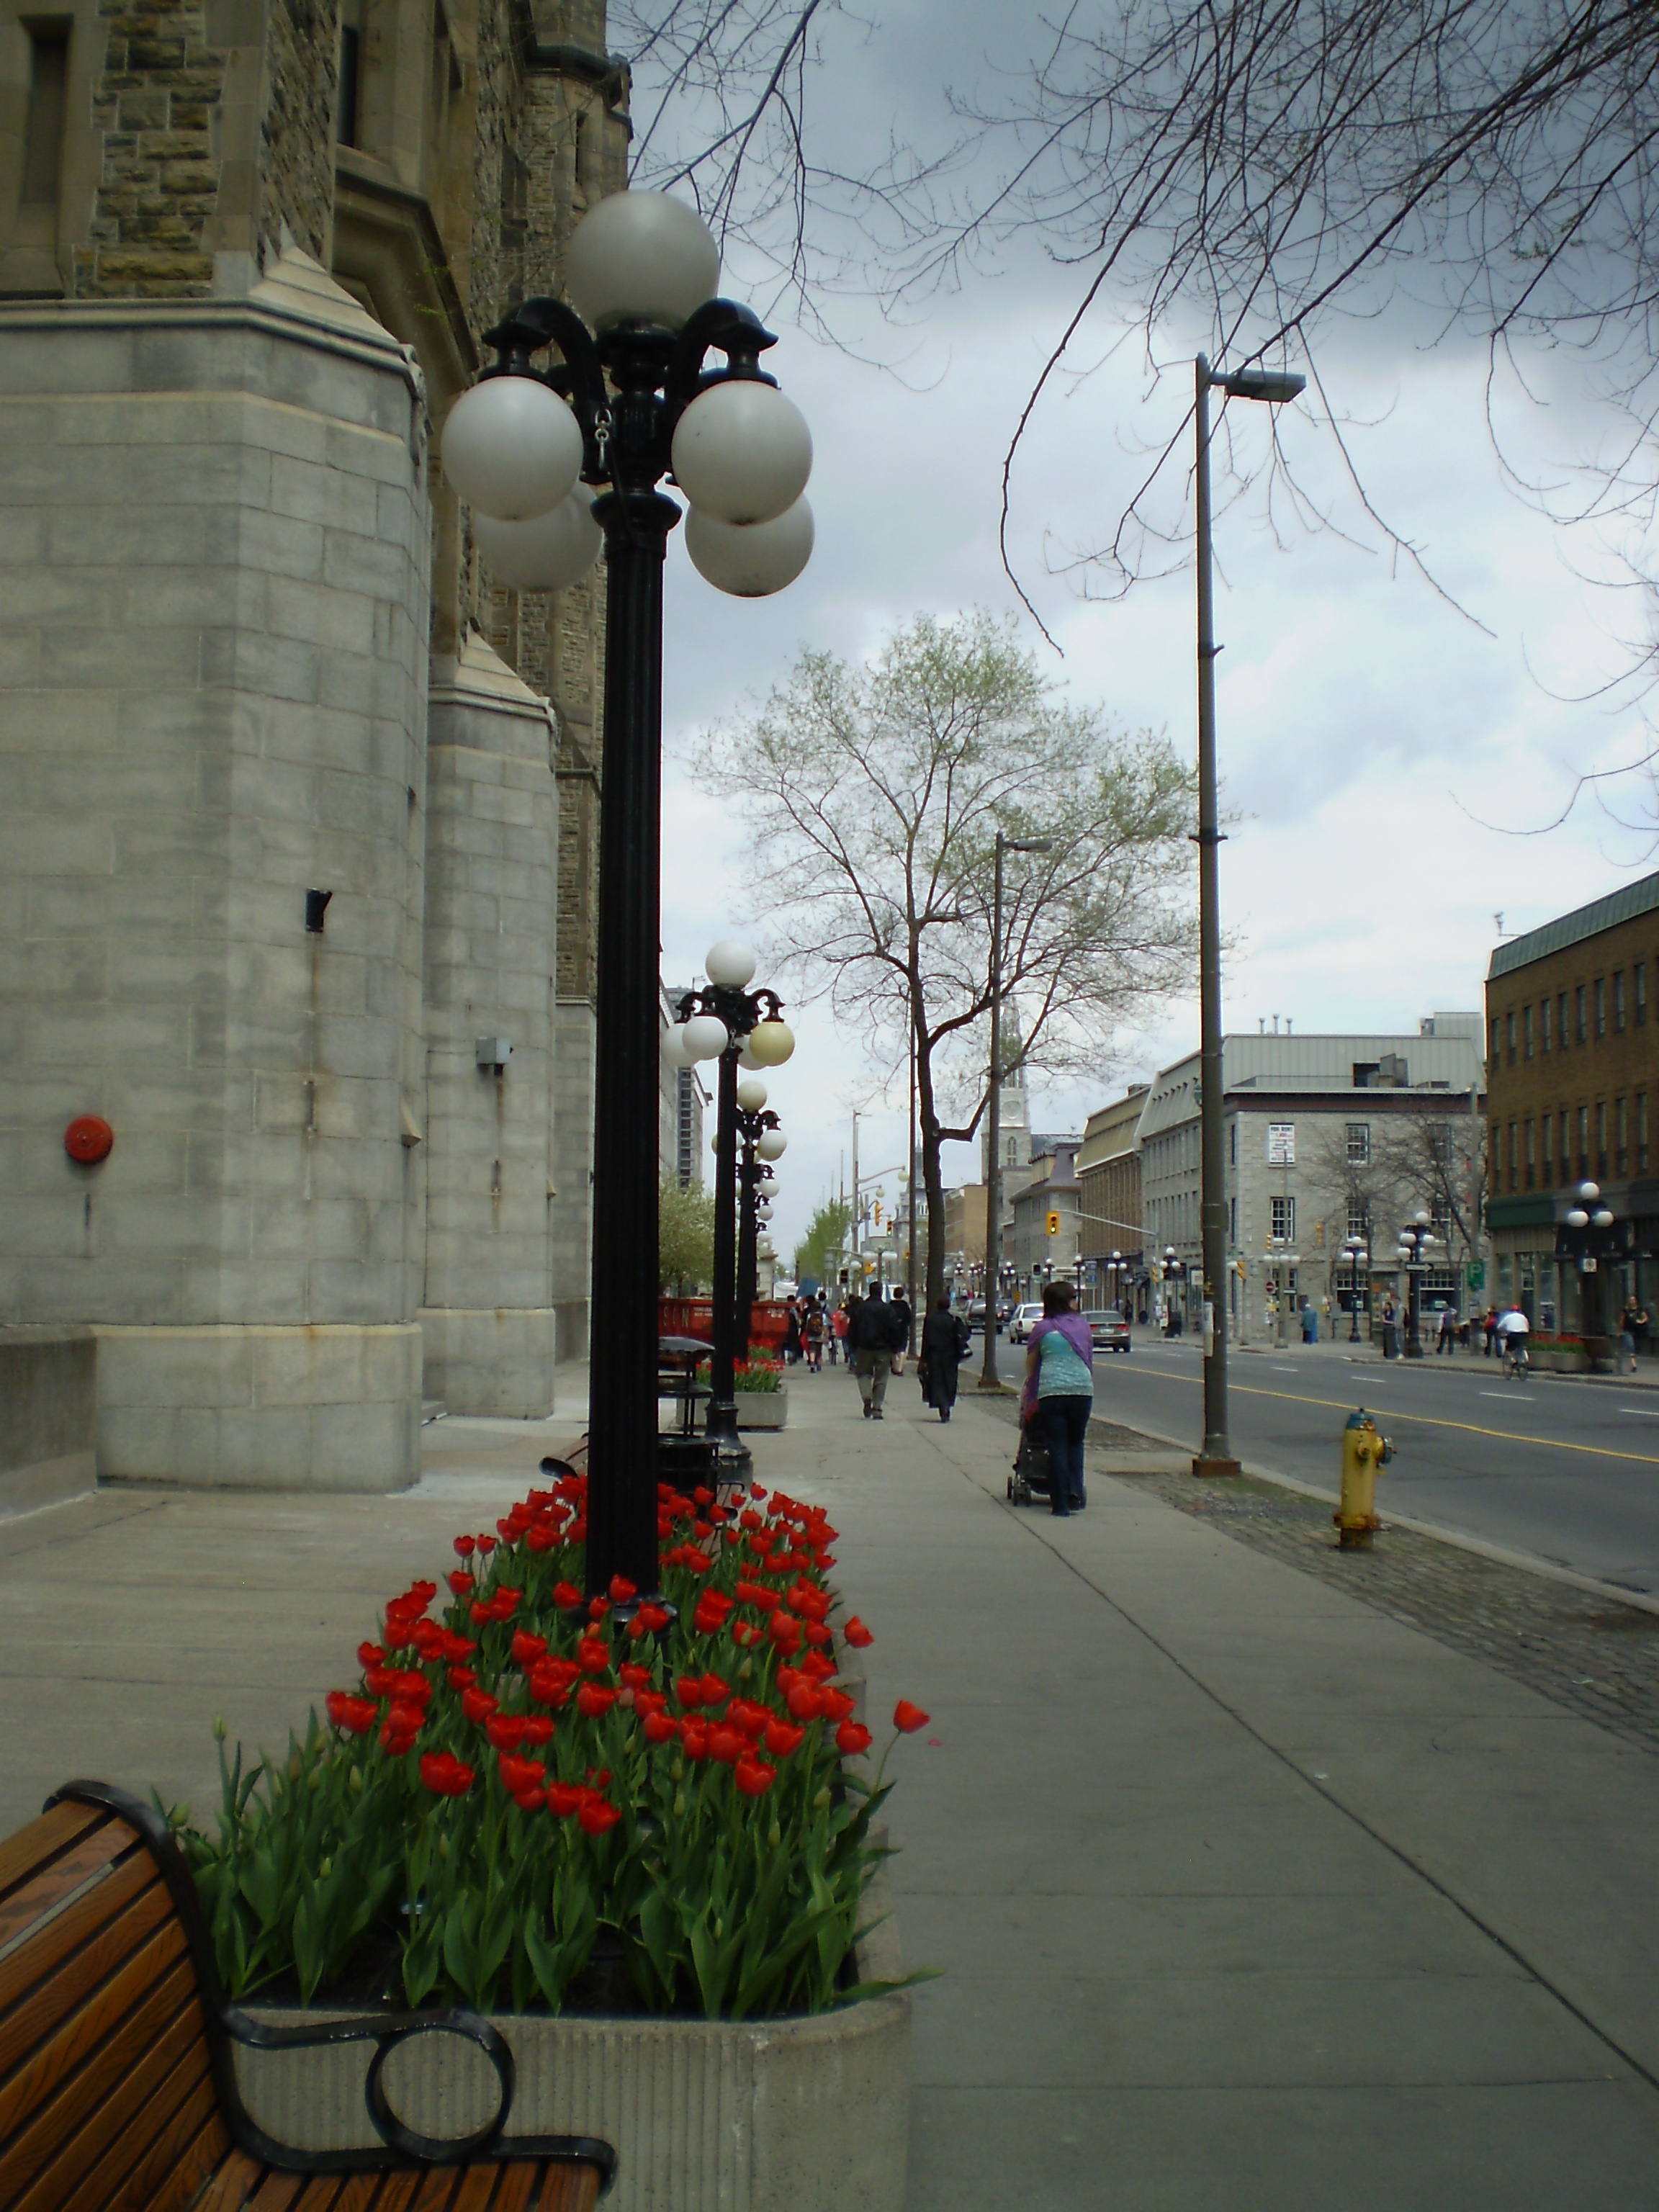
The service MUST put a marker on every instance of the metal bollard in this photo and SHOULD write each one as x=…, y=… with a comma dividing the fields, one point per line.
x=1363, y=1451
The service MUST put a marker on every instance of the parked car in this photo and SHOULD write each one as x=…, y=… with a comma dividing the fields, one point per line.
x=1108, y=1329
x=1024, y=1320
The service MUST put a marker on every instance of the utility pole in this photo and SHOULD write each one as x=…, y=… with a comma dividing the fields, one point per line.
x=854, y=1278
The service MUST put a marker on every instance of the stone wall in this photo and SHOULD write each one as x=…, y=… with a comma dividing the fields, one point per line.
x=156, y=104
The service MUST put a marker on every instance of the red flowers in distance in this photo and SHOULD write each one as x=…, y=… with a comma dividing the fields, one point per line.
x=908, y=1718
x=356, y=1716
x=445, y=1775
x=854, y=1633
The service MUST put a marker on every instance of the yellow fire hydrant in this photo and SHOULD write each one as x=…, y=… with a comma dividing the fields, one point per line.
x=1363, y=1451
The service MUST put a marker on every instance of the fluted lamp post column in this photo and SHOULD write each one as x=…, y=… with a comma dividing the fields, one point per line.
x=724, y=1021
x=755, y=1123
x=627, y=397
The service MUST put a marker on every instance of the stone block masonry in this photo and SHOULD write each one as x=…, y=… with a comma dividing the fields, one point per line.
x=232, y=542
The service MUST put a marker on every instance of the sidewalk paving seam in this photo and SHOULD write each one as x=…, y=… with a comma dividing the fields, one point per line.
x=1395, y=1850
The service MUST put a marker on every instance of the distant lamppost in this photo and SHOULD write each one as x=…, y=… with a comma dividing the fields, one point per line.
x=1415, y=1238
x=1354, y=1250
x=1280, y=1248
x=756, y=1188
x=721, y=1021
x=1174, y=1269
x=628, y=399
x=1216, y=1455
x=1585, y=1242
x=988, y=1379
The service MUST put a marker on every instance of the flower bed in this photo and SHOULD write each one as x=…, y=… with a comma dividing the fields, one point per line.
x=531, y=1783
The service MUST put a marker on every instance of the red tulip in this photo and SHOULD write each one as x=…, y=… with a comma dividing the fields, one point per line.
x=714, y=1690
x=818, y=1667
x=519, y=1774
x=477, y=1706
x=593, y=1700
x=405, y=1720
x=805, y=1701
x=530, y=1801
x=694, y=1739
x=369, y=1655
x=564, y=1798
x=598, y=1815
x=567, y=1597
x=653, y=1619
x=753, y=1777
x=783, y=1740
x=462, y=1678
x=464, y=1546
x=591, y=1655
x=396, y=1742
x=622, y=1589
x=527, y=1648
x=380, y=1680
x=505, y=1730
x=356, y=1716
x=725, y=1745
x=445, y=1775
x=460, y=1582
x=852, y=1738
x=659, y=1728
x=854, y=1633
x=689, y=1690
x=486, y=1545
x=836, y=1705
x=908, y=1718
x=538, y=1729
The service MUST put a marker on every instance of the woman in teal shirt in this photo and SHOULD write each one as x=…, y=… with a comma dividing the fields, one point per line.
x=1059, y=1392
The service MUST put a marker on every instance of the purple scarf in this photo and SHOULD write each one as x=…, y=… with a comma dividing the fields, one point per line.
x=1075, y=1330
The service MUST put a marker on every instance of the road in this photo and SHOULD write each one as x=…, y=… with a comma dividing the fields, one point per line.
x=1554, y=1468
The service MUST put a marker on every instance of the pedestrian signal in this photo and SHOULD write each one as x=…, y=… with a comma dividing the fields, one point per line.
x=1053, y=1224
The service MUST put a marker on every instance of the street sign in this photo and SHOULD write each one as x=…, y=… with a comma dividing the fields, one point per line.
x=1281, y=1143
x=1474, y=1275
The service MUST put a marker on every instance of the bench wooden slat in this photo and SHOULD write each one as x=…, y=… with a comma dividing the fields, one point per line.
x=199, y=2162
x=518, y=2188
x=37, y=1845
x=33, y=1899
x=478, y=2187
x=277, y=2192
x=231, y=2185
x=437, y=2190
x=93, y=2044
x=397, y=2192
x=568, y=2189
x=323, y=2192
x=133, y=2170
x=48, y=2157
x=131, y=1906
x=358, y=2195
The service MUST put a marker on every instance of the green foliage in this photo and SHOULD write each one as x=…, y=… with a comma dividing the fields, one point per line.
x=826, y=1232
x=686, y=1237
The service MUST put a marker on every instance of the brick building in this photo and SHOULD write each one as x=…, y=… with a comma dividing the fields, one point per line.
x=249, y=657
x=1573, y=1050
x=1109, y=1180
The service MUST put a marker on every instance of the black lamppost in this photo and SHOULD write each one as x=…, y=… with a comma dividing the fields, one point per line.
x=722, y=1021
x=629, y=399
x=1585, y=1243
x=1215, y=1456
x=1354, y=1251
x=1174, y=1269
x=1415, y=1239
x=756, y=1125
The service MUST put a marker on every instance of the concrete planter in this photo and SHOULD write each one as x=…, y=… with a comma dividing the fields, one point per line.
x=790, y=2115
x=761, y=1409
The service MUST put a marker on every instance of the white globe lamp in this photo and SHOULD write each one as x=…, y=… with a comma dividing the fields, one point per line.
x=751, y=1094
x=741, y=452
x=772, y=1144
x=705, y=1037
x=674, y=1053
x=750, y=561
x=512, y=448
x=548, y=553
x=640, y=257
x=729, y=964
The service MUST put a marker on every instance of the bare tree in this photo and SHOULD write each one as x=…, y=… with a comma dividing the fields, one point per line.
x=1435, y=1158
x=873, y=796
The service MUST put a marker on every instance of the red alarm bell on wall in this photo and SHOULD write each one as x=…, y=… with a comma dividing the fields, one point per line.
x=87, y=1140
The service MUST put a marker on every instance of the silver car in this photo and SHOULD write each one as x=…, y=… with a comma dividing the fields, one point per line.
x=1026, y=1319
x=1107, y=1330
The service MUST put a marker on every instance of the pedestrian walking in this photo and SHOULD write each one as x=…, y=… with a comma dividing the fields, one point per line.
x=1310, y=1323
x=944, y=1348
x=1060, y=1394
x=1489, y=1329
x=1632, y=1327
x=901, y=1306
x=875, y=1337
x=814, y=1334
x=791, y=1334
x=1447, y=1338
x=838, y=1334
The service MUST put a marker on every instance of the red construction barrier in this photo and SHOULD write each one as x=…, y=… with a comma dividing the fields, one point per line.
x=696, y=1317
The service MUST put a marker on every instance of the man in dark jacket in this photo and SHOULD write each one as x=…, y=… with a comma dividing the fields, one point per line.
x=875, y=1334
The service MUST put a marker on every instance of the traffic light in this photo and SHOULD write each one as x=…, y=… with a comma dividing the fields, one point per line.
x=1053, y=1223
x=878, y=1213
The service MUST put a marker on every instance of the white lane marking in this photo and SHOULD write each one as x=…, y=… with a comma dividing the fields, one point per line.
x=1647, y=1412
x=1287, y=1371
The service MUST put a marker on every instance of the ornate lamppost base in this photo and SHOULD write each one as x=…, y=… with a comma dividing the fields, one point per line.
x=1215, y=1466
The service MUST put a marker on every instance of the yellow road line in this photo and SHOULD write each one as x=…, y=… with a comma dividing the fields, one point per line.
x=1425, y=1420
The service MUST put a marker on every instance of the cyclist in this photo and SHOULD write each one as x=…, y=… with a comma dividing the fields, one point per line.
x=1513, y=1329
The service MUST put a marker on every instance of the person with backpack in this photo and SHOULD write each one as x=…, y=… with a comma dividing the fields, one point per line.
x=875, y=1336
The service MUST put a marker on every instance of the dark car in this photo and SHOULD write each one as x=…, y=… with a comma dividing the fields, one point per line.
x=1107, y=1330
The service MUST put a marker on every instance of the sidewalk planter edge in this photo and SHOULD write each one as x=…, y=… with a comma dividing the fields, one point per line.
x=797, y=2114
x=761, y=1409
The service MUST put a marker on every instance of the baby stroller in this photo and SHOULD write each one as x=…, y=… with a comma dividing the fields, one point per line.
x=1030, y=1479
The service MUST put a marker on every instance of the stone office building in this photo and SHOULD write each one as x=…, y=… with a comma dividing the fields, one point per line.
x=1573, y=1046
x=296, y=808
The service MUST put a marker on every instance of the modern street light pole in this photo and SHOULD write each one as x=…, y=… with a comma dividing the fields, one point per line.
x=989, y=1377
x=1216, y=1454
x=627, y=400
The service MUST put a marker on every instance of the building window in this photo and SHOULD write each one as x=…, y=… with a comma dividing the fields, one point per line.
x=1359, y=1144
x=1584, y=1142
x=1561, y=1021
x=1532, y=1159
x=1514, y=1154
x=1638, y=976
x=48, y=106
x=1509, y=1026
x=1619, y=1002
x=1493, y=1055
x=1548, y=1152
x=1233, y=1221
x=1544, y=1022
x=1284, y=1218
x=1578, y=1015
x=1232, y=1144
x=1600, y=1006
x=1602, y=1139
x=1641, y=1132
x=350, y=120
x=1621, y=1136
x=1526, y=1031
x=1359, y=1223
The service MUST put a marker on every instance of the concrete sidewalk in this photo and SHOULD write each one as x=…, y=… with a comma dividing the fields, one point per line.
x=1248, y=1896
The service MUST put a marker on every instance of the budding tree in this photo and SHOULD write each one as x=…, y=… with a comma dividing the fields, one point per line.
x=874, y=795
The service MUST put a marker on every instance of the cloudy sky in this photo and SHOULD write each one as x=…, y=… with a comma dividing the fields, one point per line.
x=1386, y=753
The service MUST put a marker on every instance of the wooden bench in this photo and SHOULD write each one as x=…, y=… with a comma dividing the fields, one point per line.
x=118, y=2080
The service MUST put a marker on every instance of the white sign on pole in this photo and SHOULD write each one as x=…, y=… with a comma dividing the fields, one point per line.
x=1281, y=1143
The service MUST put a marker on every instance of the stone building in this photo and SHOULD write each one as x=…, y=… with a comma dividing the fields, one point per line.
x=1573, y=1050
x=297, y=810
x=1109, y=1236
x=1325, y=1137
x=1035, y=1255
